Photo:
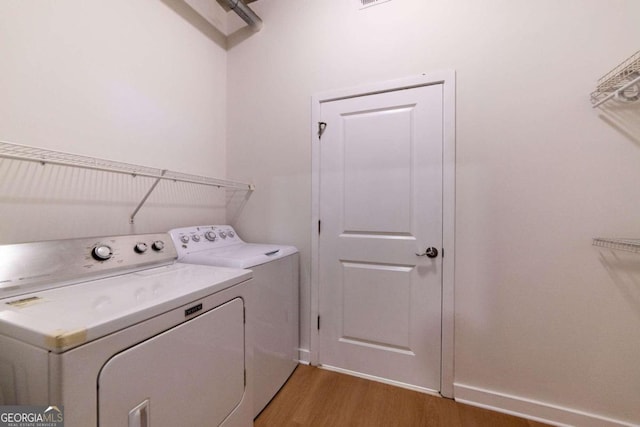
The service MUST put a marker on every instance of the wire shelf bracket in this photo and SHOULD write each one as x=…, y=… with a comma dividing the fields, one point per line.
x=621, y=83
x=43, y=156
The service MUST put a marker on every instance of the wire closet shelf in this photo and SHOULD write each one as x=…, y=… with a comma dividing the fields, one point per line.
x=44, y=156
x=627, y=245
x=622, y=83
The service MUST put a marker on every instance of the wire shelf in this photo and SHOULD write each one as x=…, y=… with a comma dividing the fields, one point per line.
x=44, y=156
x=623, y=82
x=619, y=244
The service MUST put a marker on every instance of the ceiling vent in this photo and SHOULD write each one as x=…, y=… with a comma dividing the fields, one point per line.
x=363, y=4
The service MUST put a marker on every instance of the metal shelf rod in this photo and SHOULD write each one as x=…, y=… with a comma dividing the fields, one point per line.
x=144, y=199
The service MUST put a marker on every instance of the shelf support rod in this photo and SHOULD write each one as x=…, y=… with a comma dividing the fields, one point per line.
x=617, y=91
x=146, y=196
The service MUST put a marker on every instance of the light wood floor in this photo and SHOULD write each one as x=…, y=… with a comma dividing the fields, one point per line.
x=320, y=398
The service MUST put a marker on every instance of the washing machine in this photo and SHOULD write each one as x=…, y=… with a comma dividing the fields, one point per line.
x=274, y=316
x=114, y=332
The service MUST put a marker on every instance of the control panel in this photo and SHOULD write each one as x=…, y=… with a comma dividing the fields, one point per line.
x=48, y=262
x=103, y=250
x=190, y=239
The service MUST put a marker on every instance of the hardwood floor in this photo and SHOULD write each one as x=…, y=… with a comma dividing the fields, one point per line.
x=320, y=398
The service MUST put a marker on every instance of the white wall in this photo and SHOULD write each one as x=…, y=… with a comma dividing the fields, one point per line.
x=543, y=319
x=135, y=81
x=541, y=316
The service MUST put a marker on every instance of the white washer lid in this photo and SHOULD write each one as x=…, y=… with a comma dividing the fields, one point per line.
x=241, y=255
x=66, y=317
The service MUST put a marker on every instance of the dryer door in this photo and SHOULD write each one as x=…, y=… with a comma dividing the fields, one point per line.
x=190, y=375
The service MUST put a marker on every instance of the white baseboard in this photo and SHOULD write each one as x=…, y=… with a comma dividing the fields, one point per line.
x=532, y=409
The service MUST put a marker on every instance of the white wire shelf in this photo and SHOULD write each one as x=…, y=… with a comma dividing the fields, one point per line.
x=40, y=155
x=622, y=83
x=619, y=244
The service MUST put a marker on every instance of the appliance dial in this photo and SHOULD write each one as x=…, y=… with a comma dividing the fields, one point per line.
x=210, y=236
x=223, y=234
x=184, y=238
x=140, y=247
x=102, y=252
x=195, y=238
x=158, y=245
x=231, y=234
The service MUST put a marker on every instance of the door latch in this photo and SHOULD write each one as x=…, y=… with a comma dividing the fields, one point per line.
x=430, y=252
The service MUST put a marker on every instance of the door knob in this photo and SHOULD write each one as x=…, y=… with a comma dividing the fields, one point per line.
x=430, y=252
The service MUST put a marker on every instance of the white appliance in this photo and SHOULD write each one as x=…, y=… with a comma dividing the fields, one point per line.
x=274, y=317
x=119, y=334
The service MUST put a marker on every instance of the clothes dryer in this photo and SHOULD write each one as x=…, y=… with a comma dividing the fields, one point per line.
x=114, y=332
x=274, y=316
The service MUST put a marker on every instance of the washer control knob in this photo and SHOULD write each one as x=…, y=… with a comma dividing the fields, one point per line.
x=140, y=247
x=158, y=245
x=184, y=238
x=102, y=252
x=231, y=234
x=223, y=234
x=195, y=238
x=210, y=236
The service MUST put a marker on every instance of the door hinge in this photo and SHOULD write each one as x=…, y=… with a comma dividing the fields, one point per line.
x=319, y=226
x=322, y=126
x=318, y=322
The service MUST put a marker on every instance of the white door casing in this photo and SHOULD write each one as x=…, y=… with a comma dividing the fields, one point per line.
x=383, y=187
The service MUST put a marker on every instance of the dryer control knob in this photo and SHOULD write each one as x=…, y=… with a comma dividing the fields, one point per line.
x=158, y=245
x=195, y=238
x=102, y=252
x=140, y=247
x=184, y=238
x=223, y=234
x=231, y=234
x=210, y=236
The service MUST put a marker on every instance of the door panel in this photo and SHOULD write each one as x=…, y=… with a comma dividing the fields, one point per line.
x=380, y=206
x=191, y=375
x=379, y=148
x=374, y=300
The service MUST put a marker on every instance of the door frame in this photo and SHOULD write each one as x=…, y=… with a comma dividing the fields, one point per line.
x=447, y=79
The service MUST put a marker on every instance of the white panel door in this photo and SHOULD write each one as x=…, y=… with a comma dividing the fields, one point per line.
x=380, y=209
x=191, y=375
